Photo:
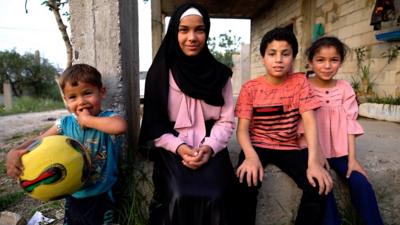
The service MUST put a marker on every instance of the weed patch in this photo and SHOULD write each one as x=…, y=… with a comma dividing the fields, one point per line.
x=28, y=104
x=10, y=199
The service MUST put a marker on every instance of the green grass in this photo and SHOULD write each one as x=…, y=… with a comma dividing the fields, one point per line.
x=29, y=104
x=3, y=168
x=132, y=193
x=390, y=100
x=9, y=199
x=48, y=206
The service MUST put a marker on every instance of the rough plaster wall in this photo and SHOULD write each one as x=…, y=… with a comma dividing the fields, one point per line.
x=104, y=35
x=241, y=68
x=96, y=39
x=245, y=62
x=236, y=74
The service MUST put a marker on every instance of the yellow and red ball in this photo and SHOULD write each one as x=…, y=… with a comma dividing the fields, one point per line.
x=54, y=167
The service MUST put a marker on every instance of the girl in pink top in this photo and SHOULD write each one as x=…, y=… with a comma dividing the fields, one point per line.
x=338, y=127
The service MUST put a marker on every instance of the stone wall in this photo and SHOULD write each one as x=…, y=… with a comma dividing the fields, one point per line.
x=347, y=19
x=283, y=14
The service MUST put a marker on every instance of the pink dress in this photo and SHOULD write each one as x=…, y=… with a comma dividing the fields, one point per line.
x=336, y=118
x=190, y=114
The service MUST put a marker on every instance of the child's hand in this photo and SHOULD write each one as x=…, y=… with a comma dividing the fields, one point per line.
x=13, y=162
x=324, y=179
x=82, y=118
x=324, y=163
x=252, y=169
x=354, y=165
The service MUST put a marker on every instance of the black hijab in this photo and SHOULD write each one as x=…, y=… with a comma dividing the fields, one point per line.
x=200, y=77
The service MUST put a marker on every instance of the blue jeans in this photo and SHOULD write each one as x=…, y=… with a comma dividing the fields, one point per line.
x=362, y=196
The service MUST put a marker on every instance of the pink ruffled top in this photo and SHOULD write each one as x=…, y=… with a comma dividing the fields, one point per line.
x=336, y=118
x=190, y=114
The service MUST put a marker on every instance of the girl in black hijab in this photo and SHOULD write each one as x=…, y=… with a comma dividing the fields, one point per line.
x=188, y=117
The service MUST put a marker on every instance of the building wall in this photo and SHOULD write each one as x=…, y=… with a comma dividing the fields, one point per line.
x=241, y=68
x=283, y=13
x=347, y=19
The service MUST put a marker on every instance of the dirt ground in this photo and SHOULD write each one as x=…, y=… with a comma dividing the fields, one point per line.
x=15, y=129
x=17, y=125
x=380, y=138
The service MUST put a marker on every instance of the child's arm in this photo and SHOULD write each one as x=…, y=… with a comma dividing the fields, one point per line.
x=315, y=169
x=13, y=158
x=353, y=127
x=110, y=125
x=353, y=164
x=251, y=166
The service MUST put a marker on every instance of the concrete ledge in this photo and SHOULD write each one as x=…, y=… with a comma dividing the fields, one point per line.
x=279, y=196
x=377, y=151
x=380, y=111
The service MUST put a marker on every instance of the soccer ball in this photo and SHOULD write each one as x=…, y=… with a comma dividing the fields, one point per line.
x=54, y=167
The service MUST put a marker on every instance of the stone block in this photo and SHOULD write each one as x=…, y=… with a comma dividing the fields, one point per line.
x=320, y=20
x=382, y=75
x=380, y=111
x=332, y=17
x=358, y=15
x=361, y=27
x=334, y=23
x=346, y=8
x=319, y=3
x=278, y=198
x=10, y=218
x=365, y=39
x=355, y=29
x=345, y=32
x=328, y=6
x=383, y=174
x=349, y=66
x=341, y=2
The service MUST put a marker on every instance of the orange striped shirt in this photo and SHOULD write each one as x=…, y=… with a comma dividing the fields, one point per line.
x=274, y=111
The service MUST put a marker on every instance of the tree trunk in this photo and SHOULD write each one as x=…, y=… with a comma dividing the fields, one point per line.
x=14, y=89
x=63, y=29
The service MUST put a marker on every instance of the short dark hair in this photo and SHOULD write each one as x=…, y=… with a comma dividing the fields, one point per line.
x=279, y=34
x=80, y=73
x=327, y=41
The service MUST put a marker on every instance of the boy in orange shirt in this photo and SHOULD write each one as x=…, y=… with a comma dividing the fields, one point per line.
x=269, y=109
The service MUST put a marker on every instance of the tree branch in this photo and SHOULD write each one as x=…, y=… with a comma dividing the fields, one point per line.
x=55, y=7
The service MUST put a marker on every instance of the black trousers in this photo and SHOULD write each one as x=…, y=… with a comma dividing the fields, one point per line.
x=183, y=196
x=294, y=164
x=96, y=210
